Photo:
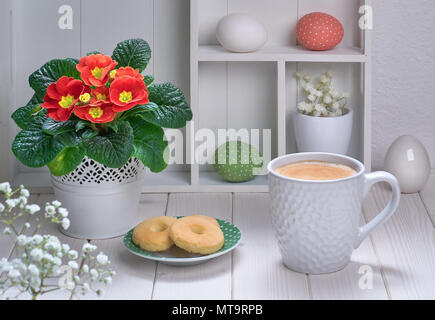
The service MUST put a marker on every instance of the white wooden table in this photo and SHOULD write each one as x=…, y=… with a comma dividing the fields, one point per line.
x=401, y=254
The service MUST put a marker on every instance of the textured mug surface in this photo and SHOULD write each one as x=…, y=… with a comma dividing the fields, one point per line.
x=317, y=223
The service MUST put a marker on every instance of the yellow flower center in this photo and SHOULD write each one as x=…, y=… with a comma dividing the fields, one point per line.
x=85, y=97
x=97, y=73
x=112, y=74
x=66, y=101
x=96, y=112
x=125, y=96
x=101, y=96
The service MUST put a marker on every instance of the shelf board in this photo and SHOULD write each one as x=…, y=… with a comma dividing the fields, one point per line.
x=213, y=182
x=166, y=181
x=282, y=53
x=167, y=178
x=36, y=182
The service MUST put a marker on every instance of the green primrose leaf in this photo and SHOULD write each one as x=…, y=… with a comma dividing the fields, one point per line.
x=135, y=53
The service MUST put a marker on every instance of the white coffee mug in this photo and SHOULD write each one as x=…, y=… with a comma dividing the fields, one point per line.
x=317, y=223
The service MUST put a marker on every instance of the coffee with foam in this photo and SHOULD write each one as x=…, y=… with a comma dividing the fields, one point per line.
x=316, y=170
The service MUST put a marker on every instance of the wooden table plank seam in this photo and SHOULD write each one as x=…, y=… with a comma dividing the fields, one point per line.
x=158, y=263
x=82, y=261
x=405, y=245
x=428, y=211
x=21, y=229
x=194, y=282
x=233, y=195
x=379, y=263
x=21, y=222
x=258, y=269
x=309, y=288
x=427, y=196
x=136, y=277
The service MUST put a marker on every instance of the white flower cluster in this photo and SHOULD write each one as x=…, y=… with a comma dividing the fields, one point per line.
x=322, y=99
x=56, y=214
x=92, y=271
x=42, y=258
x=5, y=187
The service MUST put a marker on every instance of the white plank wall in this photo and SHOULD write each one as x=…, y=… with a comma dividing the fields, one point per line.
x=37, y=39
x=258, y=108
x=171, y=50
x=213, y=77
x=210, y=12
x=102, y=20
x=279, y=26
x=5, y=88
x=5, y=55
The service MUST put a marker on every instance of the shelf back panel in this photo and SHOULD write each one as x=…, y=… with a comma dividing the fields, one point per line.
x=238, y=95
x=347, y=78
x=279, y=17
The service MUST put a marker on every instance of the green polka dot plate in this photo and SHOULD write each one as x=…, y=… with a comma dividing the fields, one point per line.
x=179, y=257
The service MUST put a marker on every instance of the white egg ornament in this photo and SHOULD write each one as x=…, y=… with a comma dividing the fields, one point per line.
x=241, y=33
x=408, y=160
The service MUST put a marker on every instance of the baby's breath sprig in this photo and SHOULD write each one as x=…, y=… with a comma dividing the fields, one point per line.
x=322, y=99
x=41, y=263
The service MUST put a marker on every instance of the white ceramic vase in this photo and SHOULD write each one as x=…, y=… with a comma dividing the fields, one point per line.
x=102, y=202
x=323, y=134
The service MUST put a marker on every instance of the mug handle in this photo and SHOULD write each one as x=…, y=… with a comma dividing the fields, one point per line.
x=370, y=180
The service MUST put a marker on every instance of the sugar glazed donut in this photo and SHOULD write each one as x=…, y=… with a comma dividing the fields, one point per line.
x=197, y=234
x=153, y=234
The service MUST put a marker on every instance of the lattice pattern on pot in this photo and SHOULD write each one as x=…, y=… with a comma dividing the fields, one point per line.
x=90, y=172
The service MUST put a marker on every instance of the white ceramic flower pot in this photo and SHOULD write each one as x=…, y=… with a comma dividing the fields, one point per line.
x=102, y=202
x=323, y=134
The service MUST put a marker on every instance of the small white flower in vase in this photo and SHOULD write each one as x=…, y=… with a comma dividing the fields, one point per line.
x=322, y=122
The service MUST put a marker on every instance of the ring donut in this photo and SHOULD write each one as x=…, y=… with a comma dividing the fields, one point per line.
x=197, y=235
x=153, y=234
x=210, y=219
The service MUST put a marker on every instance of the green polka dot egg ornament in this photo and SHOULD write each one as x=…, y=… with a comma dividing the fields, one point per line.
x=237, y=161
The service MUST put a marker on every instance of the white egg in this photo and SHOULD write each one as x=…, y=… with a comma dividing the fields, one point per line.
x=408, y=160
x=241, y=33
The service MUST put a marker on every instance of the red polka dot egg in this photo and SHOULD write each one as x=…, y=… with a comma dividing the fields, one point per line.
x=319, y=31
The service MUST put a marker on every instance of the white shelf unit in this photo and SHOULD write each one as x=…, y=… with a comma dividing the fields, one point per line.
x=227, y=90
x=258, y=90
